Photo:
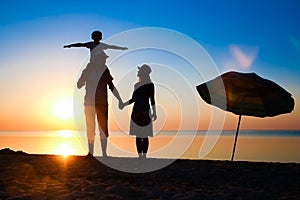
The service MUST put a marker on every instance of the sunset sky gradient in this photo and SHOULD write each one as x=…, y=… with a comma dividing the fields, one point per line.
x=36, y=72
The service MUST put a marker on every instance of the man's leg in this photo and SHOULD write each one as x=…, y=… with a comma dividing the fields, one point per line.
x=103, y=140
x=102, y=117
x=89, y=112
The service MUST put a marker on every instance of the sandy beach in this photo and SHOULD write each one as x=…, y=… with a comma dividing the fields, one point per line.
x=25, y=176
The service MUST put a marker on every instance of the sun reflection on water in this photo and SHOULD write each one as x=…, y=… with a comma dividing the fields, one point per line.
x=65, y=149
x=65, y=133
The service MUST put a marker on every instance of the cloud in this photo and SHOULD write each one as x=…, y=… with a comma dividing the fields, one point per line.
x=243, y=56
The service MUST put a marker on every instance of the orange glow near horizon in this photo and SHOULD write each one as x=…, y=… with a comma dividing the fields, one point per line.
x=50, y=107
x=46, y=121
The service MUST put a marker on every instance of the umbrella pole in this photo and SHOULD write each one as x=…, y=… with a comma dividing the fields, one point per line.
x=236, y=135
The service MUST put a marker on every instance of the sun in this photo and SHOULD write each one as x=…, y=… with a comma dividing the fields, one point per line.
x=63, y=108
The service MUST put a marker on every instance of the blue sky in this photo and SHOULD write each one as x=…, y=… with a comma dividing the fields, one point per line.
x=253, y=35
x=273, y=26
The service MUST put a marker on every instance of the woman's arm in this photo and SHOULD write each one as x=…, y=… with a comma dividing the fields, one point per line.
x=152, y=99
x=128, y=102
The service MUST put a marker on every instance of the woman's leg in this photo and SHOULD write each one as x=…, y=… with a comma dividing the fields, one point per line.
x=139, y=144
x=145, y=146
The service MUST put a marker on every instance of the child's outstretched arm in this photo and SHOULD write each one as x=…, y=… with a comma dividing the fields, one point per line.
x=75, y=45
x=116, y=47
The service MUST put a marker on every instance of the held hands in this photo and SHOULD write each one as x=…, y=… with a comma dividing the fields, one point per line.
x=153, y=115
x=121, y=105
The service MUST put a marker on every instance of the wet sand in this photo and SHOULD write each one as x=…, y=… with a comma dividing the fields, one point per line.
x=25, y=176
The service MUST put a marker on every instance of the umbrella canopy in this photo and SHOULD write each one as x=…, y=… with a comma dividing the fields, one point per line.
x=246, y=94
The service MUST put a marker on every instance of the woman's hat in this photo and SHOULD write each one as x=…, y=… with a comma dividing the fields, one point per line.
x=145, y=69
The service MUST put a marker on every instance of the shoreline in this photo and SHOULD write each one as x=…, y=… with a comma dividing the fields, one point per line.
x=27, y=176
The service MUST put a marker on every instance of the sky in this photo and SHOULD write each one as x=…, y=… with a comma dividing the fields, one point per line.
x=38, y=77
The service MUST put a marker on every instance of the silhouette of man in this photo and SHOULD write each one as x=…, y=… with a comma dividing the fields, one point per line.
x=96, y=80
x=96, y=77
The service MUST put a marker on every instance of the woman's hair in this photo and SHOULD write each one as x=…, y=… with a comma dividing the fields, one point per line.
x=144, y=73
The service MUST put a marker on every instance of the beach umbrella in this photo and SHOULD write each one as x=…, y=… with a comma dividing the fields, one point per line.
x=246, y=94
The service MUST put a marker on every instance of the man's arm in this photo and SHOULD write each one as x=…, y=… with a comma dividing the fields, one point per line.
x=114, y=89
x=81, y=81
x=117, y=95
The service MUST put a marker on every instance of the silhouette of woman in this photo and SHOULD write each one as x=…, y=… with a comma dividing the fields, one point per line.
x=141, y=116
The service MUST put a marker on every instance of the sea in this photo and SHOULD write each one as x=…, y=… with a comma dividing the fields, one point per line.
x=251, y=145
